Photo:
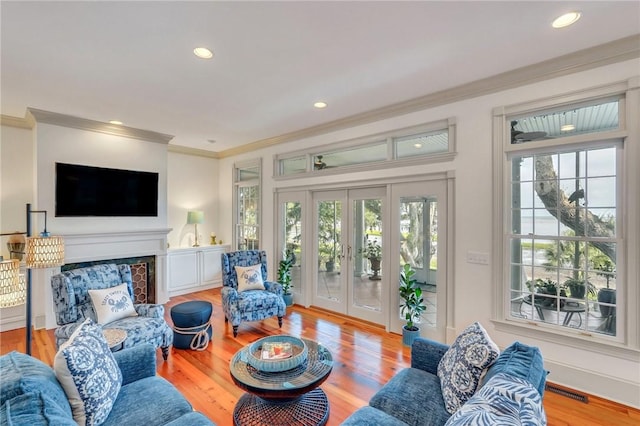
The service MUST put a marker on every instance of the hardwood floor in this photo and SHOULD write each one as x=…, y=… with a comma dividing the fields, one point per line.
x=365, y=357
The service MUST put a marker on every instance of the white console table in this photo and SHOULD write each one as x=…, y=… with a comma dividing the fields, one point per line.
x=194, y=268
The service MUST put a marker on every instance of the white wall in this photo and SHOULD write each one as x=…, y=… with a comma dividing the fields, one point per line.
x=601, y=373
x=67, y=145
x=193, y=185
x=16, y=189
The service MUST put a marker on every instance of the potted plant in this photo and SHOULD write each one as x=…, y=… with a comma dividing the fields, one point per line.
x=284, y=276
x=373, y=252
x=549, y=290
x=578, y=288
x=412, y=305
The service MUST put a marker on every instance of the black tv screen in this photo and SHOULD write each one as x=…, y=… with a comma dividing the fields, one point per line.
x=98, y=191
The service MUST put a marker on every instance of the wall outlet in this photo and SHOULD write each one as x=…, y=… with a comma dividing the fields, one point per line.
x=477, y=257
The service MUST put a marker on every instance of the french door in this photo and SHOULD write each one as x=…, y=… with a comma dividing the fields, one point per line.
x=419, y=235
x=349, y=275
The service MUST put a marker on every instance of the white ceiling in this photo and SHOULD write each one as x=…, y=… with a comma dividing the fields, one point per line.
x=133, y=61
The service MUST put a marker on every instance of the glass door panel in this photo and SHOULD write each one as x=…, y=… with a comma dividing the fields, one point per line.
x=292, y=231
x=367, y=282
x=329, y=218
x=418, y=247
x=419, y=214
x=293, y=241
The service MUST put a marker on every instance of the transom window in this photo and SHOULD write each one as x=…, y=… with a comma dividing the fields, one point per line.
x=428, y=143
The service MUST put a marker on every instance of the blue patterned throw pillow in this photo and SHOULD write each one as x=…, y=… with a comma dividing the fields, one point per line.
x=462, y=366
x=505, y=400
x=88, y=373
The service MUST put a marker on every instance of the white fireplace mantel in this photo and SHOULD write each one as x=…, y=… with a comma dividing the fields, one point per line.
x=87, y=247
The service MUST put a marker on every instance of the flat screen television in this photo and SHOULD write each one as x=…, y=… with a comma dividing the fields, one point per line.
x=98, y=191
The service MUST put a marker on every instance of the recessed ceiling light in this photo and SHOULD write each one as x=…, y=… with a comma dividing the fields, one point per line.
x=116, y=122
x=211, y=140
x=566, y=20
x=417, y=145
x=567, y=128
x=203, y=52
x=320, y=104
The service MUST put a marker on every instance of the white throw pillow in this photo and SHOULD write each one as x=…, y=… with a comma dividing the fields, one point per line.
x=250, y=277
x=112, y=304
x=463, y=364
x=88, y=373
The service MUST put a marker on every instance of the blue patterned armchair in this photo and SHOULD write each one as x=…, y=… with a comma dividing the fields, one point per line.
x=250, y=305
x=72, y=305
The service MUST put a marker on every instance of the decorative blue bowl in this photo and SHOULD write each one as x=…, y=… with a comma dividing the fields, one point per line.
x=299, y=355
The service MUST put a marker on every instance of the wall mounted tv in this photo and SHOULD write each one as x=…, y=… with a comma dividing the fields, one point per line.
x=97, y=191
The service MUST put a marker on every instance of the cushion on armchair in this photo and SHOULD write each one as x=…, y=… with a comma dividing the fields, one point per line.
x=22, y=374
x=522, y=361
x=414, y=397
x=34, y=409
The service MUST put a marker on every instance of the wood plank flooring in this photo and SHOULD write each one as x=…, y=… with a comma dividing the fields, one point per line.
x=365, y=357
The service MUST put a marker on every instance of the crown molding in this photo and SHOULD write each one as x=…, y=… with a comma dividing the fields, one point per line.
x=179, y=149
x=64, y=120
x=613, y=52
x=21, y=123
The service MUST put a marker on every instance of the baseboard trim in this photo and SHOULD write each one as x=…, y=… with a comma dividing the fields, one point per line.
x=12, y=322
x=610, y=388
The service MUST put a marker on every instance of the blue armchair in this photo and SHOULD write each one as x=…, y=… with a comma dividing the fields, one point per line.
x=72, y=305
x=250, y=305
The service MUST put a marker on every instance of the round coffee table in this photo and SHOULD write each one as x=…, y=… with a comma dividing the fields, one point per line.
x=289, y=397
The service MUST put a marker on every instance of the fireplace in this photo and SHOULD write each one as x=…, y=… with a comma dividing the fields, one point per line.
x=144, y=250
x=143, y=275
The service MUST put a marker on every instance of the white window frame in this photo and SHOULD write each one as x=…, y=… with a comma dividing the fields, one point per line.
x=448, y=125
x=237, y=184
x=627, y=342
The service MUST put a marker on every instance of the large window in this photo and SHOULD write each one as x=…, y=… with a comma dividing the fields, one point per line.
x=562, y=221
x=247, y=206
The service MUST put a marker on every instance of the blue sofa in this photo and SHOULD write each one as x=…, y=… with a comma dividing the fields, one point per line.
x=414, y=396
x=31, y=394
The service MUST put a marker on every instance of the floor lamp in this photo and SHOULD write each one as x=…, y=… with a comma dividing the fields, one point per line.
x=44, y=251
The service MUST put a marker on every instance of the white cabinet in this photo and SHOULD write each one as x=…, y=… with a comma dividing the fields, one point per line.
x=194, y=268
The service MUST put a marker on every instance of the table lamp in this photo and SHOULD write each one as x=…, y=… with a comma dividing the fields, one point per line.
x=194, y=218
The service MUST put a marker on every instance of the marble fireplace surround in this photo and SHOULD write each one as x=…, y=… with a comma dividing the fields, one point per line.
x=96, y=247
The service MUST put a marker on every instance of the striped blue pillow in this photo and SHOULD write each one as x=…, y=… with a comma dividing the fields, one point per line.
x=505, y=400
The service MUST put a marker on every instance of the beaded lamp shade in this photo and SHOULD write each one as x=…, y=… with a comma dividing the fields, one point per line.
x=12, y=284
x=45, y=252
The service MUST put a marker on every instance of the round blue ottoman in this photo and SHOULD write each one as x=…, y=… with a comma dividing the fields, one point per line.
x=192, y=325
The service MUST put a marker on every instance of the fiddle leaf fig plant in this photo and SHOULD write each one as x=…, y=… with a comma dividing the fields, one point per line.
x=284, y=272
x=413, y=303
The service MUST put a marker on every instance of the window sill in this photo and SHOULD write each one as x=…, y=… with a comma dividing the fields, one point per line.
x=584, y=342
